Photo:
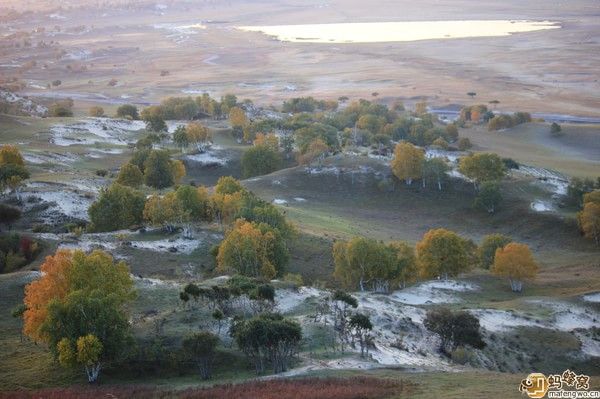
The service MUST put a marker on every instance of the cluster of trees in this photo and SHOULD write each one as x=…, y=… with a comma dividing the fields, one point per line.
x=268, y=338
x=504, y=121
x=155, y=168
x=363, y=261
x=440, y=254
x=349, y=326
x=475, y=113
x=12, y=168
x=78, y=308
x=485, y=170
x=308, y=104
x=194, y=134
x=255, y=245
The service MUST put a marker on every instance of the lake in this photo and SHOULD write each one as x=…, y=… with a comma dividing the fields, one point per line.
x=373, y=32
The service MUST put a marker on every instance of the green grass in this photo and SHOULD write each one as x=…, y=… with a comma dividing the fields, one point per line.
x=574, y=154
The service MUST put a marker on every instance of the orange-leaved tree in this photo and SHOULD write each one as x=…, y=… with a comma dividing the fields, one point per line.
x=67, y=272
x=516, y=262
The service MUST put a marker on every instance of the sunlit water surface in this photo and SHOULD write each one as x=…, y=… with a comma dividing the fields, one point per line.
x=373, y=32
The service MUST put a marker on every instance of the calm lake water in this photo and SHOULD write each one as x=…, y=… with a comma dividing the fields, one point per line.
x=373, y=32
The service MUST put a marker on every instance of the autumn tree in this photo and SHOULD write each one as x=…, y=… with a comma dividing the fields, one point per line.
x=486, y=252
x=421, y=108
x=516, y=262
x=316, y=151
x=435, y=169
x=482, y=167
x=153, y=117
x=589, y=217
x=260, y=160
x=442, y=253
x=117, y=207
x=79, y=295
x=130, y=175
x=407, y=163
x=488, y=198
x=166, y=211
x=228, y=185
x=361, y=261
x=269, y=140
x=10, y=154
x=238, y=120
x=12, y=168
x=248, y=248
x=201, y=347
x=195, y=200
x=198, y=135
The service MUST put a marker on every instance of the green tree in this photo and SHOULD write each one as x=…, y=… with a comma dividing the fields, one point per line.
x=9, y=214
x=487, y=250
x=260, y=160
x=454, y=328
x=435, y=168
x=128, y=111
x=194, y=200
x=118, y=207
x=158, y=172
x=268, y=338
x=253, y=250
x=153, y=117
x=201, y=347
x=361, y=325
x=488, y=198
x=180, y=137
x=166, y=211
x=482, y=167
x=130, y=175
x=96, y=321
x=555, y=130
x=228, y=185
x=442, y=253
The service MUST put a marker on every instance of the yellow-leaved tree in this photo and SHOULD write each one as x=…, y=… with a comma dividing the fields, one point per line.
x=408, y=162
x=589, y=217
x=245, y=250
x=516, y=262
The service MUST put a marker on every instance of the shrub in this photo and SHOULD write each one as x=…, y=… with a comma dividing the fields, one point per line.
x=461, y=355
x=128, y=111
x=96, y=111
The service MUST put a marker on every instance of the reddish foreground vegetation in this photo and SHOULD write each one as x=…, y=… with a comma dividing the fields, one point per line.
x=305, y=388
